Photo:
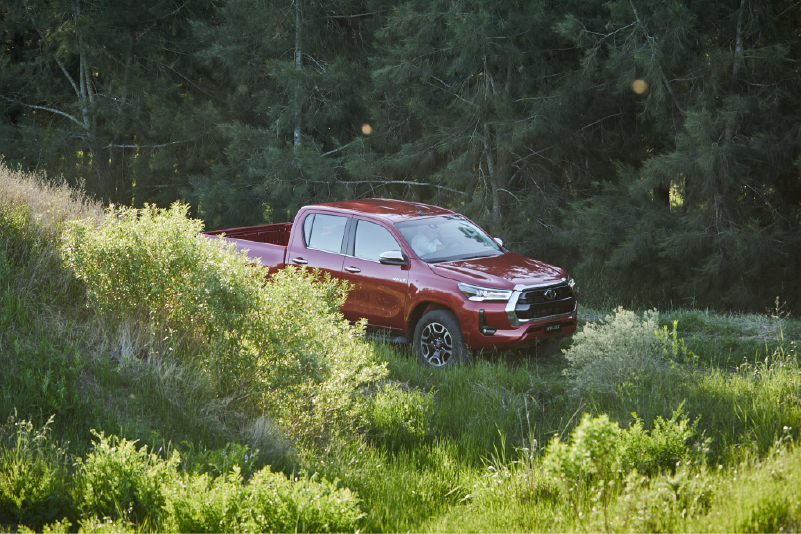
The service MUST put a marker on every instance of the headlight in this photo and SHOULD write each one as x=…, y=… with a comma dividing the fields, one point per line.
x=482, y=294
x=571, y=283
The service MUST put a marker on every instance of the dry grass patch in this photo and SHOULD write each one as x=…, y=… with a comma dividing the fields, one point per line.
x=34, y=210
x=49, y=202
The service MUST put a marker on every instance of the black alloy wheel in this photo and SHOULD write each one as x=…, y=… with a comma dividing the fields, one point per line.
x=438, y=340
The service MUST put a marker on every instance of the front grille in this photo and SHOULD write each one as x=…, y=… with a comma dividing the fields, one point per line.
x=535, y=304
x=537, y=296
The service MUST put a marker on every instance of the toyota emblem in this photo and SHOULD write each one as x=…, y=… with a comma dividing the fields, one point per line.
x=550, y=294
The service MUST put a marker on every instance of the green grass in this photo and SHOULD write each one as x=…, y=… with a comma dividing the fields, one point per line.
x=463, y=449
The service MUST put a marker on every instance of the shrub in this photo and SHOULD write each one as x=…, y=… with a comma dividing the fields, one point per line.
x=591, y=458
x=148, y=266
x=107, y=525
x=601, y=456
x=621, y=351
x=319, y=364
x=662, y=449
x=34, y=487
x=119, y=488
x=305, y=504
x=268, y=502
x=281, y=344
x=202, y=503
x=120, y=482
x=58, y=527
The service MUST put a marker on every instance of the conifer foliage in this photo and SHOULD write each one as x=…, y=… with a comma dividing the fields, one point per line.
x=653, y=147
x=708, y=211
x=102, y=92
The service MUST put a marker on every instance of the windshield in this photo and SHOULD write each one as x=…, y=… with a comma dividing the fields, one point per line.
x=447, y=238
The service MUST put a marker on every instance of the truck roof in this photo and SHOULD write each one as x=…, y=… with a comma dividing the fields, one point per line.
x=387, y=208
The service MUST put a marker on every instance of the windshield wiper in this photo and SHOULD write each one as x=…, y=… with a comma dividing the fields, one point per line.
x=478, y=256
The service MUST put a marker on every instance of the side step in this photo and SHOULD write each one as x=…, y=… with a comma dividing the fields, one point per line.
x=384, y=335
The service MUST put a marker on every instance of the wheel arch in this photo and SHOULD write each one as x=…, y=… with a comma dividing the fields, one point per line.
x=417, y=313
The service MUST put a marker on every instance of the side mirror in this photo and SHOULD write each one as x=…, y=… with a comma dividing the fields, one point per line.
x=392, y=257
x=499, y=241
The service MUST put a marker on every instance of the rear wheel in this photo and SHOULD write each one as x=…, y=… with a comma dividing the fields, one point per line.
x=438, y=340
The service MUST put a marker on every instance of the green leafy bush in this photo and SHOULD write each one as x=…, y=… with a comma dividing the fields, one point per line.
x=119, y=481
x=107, y=525
x=667, y=446
x=280, y=345
x=268, y=502
x=601, y=456
x=34, y=482
x=58, y=527
x=149, y=266
x=619, y=353
x=591, y=459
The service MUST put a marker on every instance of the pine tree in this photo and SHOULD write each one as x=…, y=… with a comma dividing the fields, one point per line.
x=101, y=92
x=291, y=76
x=709, y=215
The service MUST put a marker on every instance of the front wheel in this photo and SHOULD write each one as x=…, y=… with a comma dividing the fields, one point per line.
x=438, y=340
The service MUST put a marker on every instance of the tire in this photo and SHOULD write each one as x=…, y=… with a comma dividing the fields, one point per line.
x=546, y=347
x=438, y=340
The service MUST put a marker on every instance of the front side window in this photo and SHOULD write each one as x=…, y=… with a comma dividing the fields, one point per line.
x=447, y=238
x=371, y=240
x=324, y=232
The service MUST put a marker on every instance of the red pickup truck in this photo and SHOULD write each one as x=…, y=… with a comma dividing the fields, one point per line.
x=423, y=273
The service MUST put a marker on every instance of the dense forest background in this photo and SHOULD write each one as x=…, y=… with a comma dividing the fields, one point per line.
x=651, y=146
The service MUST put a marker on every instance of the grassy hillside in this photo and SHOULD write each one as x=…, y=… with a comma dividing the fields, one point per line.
x=150, y=380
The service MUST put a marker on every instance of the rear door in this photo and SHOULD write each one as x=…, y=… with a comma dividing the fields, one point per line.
x=322, y=243
x=379, y=291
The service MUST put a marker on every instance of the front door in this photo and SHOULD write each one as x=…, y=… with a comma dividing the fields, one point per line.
x=379, y=291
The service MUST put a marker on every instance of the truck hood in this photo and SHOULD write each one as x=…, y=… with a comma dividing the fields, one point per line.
x=503, y=272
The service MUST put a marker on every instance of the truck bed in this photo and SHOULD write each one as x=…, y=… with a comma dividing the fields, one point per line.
x=274, y=234
x=265, y=243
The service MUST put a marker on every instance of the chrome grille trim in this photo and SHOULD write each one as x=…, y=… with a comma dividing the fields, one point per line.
x=511, y=305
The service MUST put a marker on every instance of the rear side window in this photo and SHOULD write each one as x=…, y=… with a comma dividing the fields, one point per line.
x=371, y=240
x=324, y=232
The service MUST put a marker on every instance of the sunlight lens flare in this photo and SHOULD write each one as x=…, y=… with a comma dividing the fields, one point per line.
x=639, y=87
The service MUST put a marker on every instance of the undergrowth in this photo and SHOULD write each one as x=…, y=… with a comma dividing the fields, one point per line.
x=279, y=346
x=153, y=381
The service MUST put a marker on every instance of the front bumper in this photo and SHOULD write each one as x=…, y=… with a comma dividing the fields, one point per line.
x=487, y=325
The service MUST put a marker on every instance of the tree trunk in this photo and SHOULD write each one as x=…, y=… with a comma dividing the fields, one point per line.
x=722, y=193
x=494, y=179
x=123, y=193
x=662, y=196
x=298, y=68
x=85, y=94
x=738, y=43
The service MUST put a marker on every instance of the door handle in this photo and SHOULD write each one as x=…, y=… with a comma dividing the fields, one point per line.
x=353, y=269
x=300, y=261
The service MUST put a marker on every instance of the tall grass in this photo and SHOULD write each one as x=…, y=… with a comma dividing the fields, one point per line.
x=34, y=211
